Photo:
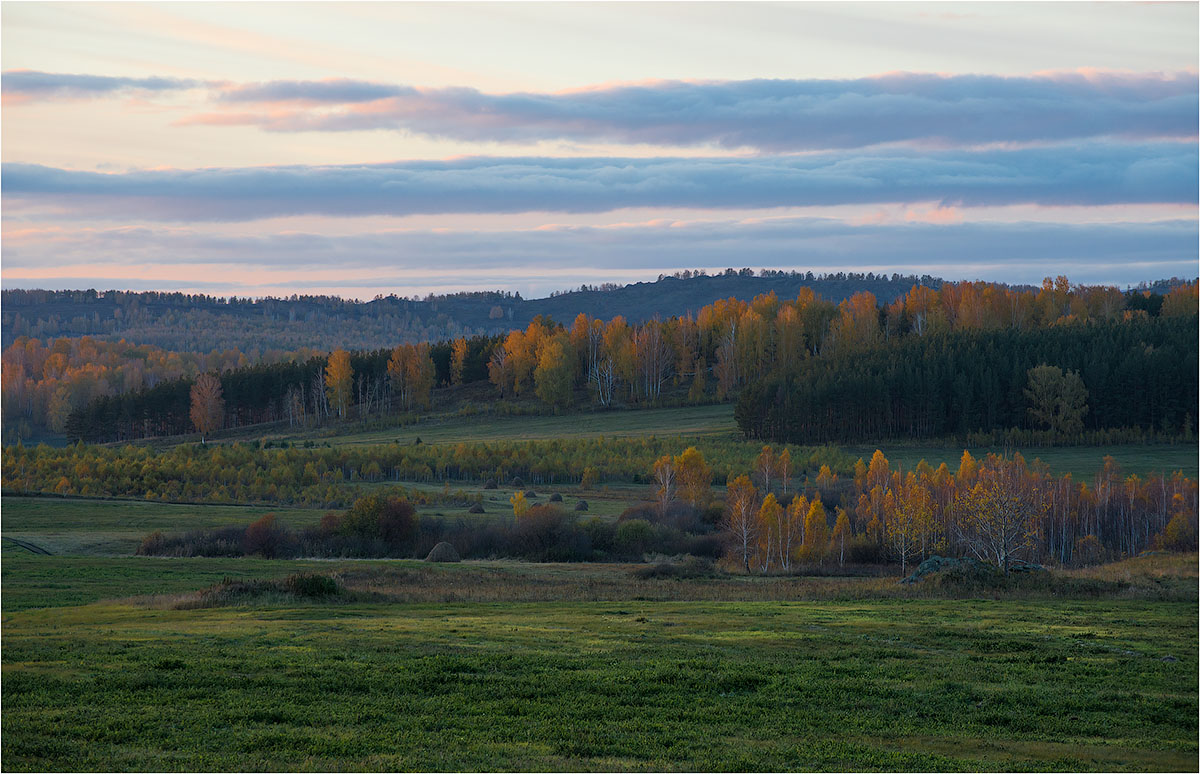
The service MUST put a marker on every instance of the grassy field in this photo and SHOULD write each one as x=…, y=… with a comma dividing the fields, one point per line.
x=116, y=527
x=635, y=682
x=688, y=421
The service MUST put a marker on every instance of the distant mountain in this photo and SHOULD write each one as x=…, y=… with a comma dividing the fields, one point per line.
x=201, y=323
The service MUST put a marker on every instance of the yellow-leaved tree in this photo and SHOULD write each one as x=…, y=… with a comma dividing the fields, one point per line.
x=740, y=523
x=908, y=512
x=770, y=527
x=520, y=505
x=555, y=372
x=411, y=374
x=1000, y=515
x=694, y=477
x=458, y=360
x=816, y=533
x=339, y=380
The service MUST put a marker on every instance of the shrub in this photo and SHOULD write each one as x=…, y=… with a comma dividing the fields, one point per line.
x=642, y=511
x=691, y=567
x=545, y=534
x=308, y=584
x=263, y=537
x=635, y=537
x=153, y=544
x=389, y=520
x=601, y=532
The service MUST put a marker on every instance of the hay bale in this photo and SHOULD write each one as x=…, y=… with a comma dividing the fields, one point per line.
x=556, y=498
x=581, y=505
x=517, y=483
x=530, y=493
x=476, y=508
x=443, y=552
x=490, y=484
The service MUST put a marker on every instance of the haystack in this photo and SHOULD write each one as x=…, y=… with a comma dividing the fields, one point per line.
x=443, y=552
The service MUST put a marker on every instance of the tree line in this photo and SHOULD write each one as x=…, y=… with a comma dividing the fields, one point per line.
x=713, y=355
x=302, y=392
x=1062, y=380
x=998, y=509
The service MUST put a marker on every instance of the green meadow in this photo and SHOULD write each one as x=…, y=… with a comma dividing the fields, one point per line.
x=371, y=683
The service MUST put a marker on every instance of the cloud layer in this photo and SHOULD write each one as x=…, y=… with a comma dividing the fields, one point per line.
x=1085, y=175
x=1120, y=252
x=768, y=115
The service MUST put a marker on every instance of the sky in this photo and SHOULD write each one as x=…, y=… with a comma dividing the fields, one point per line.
x=359, y=149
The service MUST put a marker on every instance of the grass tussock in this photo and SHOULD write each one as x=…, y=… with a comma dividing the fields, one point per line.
x=298, y=587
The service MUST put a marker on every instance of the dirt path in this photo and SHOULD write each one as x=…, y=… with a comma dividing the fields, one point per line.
x=30, y=547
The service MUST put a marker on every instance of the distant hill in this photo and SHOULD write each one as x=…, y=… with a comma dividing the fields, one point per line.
x=192, y=322
x=200, y=323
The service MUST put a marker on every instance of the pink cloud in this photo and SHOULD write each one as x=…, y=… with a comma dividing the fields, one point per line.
x=937, y=215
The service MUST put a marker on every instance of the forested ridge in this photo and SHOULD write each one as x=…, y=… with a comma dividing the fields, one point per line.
x=199, y=322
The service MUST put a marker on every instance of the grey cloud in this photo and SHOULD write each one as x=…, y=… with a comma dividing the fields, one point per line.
x=770, y=115
x=35, y=84
x=1091, y=174
x=335, y=91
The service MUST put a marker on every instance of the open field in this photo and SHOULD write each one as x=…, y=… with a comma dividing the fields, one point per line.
x=689, y=421
x=85, y=527
x=372, y=683
x=55, y=581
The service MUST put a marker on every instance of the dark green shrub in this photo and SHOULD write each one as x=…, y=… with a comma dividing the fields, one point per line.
x=308, y=584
